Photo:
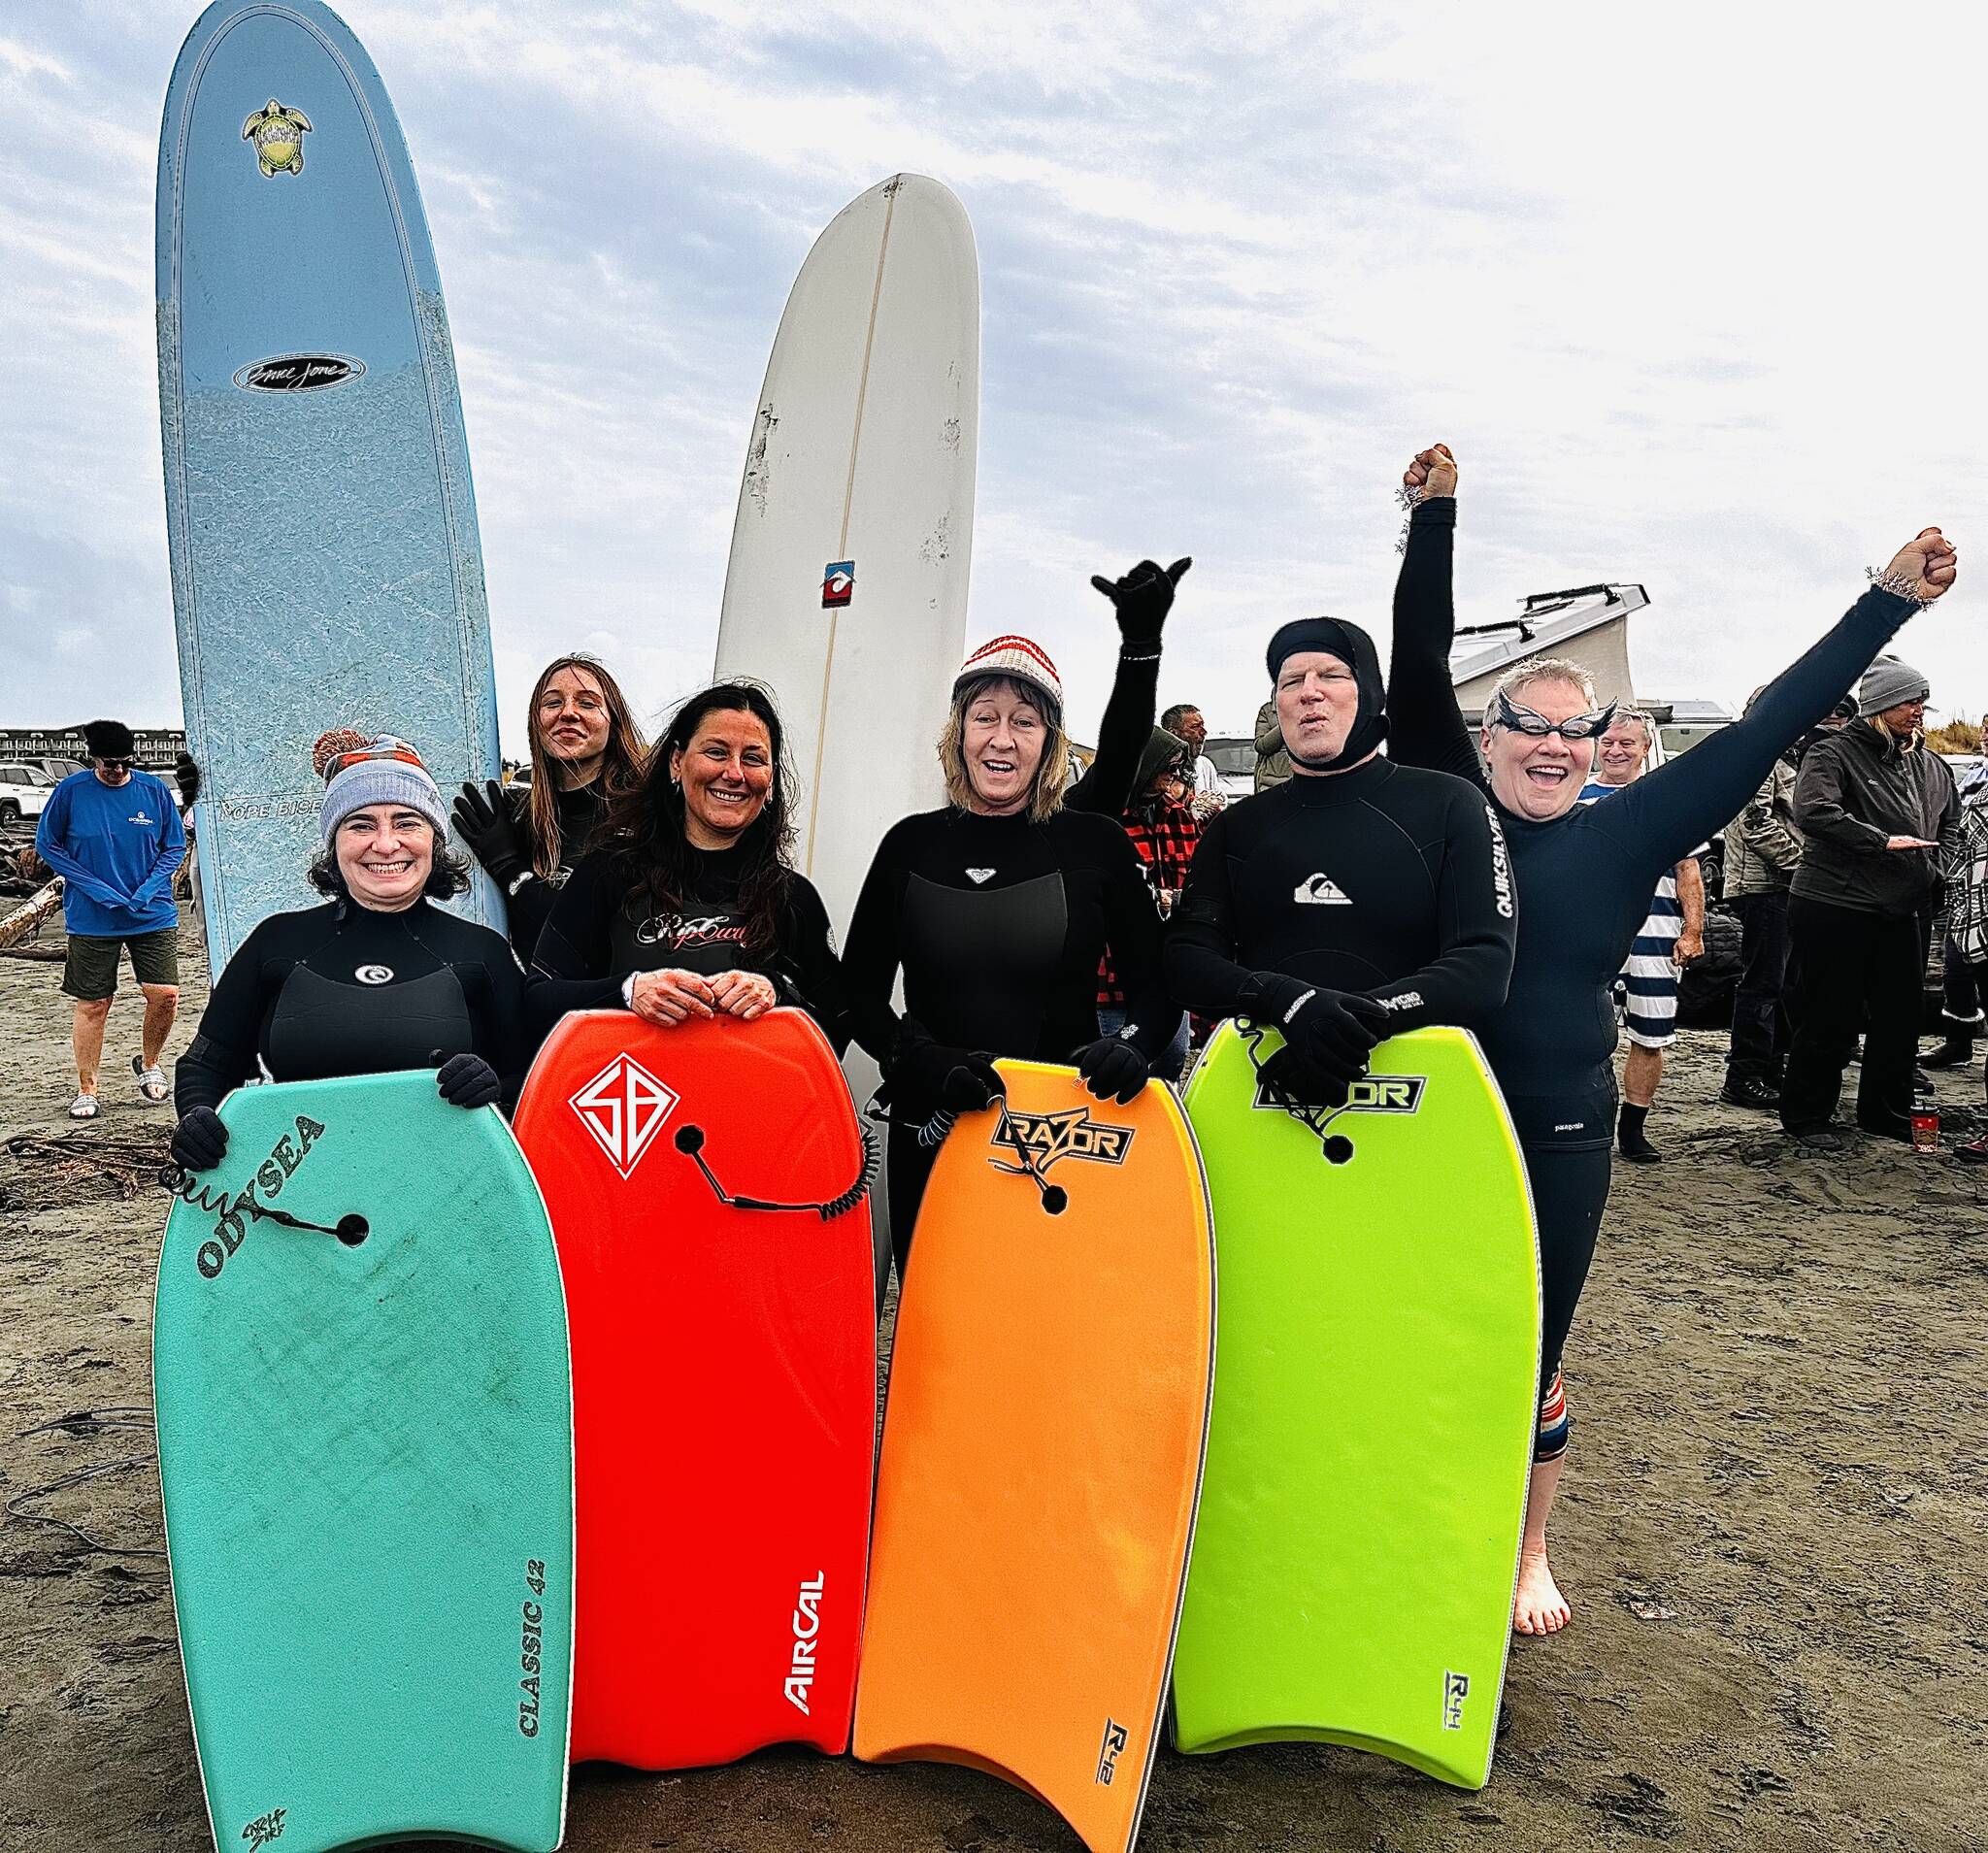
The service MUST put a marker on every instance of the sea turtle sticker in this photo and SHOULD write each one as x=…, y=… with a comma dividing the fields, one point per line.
x=279, y=137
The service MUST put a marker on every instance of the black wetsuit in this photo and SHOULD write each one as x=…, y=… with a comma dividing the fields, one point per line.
x=597, y=933
x=530, y=906
x=998, y=925
x=1584, y=881
x=1385, y=881
x=344, y=990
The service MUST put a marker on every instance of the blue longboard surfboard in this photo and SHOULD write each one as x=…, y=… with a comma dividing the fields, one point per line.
x=359, y=1364
x=325, y=564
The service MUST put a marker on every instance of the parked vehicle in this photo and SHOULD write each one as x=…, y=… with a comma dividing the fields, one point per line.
x=23, y=790
x=1235, y=764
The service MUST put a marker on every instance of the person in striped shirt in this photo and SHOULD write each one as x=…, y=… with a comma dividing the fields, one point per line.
x=1668, y=940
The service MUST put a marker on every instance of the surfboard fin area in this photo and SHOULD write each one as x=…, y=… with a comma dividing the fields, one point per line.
x=1373, y=1411
x=1043, y=1449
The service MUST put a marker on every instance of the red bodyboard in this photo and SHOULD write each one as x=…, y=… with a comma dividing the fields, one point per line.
x=724, y=1383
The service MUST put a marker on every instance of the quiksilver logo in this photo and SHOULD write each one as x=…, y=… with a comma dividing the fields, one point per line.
x=298, y=373
x=800, y=1686
x=624, y=1106
x=1321, y=891
x=1501, y=866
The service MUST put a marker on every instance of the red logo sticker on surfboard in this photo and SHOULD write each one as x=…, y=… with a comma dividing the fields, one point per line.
x=624, y=1106
x=838, y=583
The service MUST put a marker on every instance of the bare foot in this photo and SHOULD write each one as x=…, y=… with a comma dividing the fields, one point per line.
x=1539, y=1608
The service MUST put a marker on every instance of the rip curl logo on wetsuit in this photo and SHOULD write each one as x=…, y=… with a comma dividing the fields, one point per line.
x=800, y=1686
x=1046, y=1137
x=1370, y=1094
x=233, y=1215
x=1116, y=1737
x=264, y=1829
x=373, y=974
x=680, y=930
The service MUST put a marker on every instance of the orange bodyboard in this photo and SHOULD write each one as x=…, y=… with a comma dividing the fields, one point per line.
x=1042, y=1450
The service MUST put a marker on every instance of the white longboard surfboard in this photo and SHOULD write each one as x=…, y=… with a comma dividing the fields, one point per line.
x=846, y=590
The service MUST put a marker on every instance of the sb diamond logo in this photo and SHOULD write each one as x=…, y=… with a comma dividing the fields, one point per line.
x=838, y=583
x=624, y=1106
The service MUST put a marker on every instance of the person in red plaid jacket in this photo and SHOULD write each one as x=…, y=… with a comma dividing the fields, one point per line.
x=1164, y=831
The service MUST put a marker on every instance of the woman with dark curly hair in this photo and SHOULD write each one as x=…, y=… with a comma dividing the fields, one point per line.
x=687, y=905
x=375, y=979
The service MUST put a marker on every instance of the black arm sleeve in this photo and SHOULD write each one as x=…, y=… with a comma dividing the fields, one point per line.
x=1468, y=979
x=1106, y=789
x=870, y=960
x=502, y=1038
x=1425, y=727
x=1132, y=932
x=812, y=971
x=222, y=1055
x=1201, y=966
x=1675, y=807
x=570, y=964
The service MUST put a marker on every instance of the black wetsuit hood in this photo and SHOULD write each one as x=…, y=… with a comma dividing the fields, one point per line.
x=1355, y=648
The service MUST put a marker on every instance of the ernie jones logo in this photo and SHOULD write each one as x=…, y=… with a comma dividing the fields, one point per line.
x=800, y=1686
x=624, y=1106
x=1456, y=1688
x=1049, y=1136
x=838, y=583
x=1116, y=1737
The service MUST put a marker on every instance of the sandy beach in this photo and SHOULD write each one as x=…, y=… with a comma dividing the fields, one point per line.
x=1771, y=1530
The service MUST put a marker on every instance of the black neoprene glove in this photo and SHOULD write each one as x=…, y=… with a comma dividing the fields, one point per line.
x=1291, y=1074
x=1143, y=598
x=200, y=1142
x=1113, y=1069
x=484, y=821
x=1333, y=1032
x=468, y=1081
x=927, y=1077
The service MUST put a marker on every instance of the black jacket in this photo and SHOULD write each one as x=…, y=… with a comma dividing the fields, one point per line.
x=1853, y=793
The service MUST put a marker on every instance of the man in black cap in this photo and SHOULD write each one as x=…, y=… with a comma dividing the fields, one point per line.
x=114, y=836
x=1356, y=901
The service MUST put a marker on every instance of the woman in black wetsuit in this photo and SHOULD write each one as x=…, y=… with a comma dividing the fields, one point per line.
x=1584, y=877
x=375, y=979
x=686, y=905
x=998, y=907
x=586, y=751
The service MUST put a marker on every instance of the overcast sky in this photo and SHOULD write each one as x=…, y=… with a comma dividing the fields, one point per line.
x=1694, y=292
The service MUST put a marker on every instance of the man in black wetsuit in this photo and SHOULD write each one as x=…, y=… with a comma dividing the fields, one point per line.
x=1584, y=877
x=1359, y=899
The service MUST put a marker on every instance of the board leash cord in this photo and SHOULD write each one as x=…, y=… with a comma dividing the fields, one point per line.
x=1337, y=1146
x=690, y=1141
x=1055, y=1199
x=351, y=1230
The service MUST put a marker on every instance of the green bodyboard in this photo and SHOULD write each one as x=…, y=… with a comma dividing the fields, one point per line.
x=366, y=1452
x=1376, y=1357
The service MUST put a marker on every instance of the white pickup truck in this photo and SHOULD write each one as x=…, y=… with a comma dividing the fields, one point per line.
x=23, y=790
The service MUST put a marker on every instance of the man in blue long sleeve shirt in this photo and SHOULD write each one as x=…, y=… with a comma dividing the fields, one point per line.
x=114, y=835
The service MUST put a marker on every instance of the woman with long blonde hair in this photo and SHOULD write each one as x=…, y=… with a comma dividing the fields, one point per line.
x=587, y=753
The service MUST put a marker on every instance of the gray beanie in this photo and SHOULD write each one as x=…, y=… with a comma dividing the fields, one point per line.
x=383, y=771
x=1886, y=683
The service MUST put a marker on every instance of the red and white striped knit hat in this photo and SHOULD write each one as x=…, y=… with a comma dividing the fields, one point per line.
x=1017, y=657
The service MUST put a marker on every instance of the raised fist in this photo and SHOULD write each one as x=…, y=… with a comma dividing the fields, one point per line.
x=1433, y=472
x=1928, y=563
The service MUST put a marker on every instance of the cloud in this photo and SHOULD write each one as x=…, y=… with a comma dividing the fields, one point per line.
x=1684, y=290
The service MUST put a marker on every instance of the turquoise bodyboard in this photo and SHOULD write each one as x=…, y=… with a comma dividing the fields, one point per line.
x=321, y=525
x=366, y=1452
x=1375, y=1398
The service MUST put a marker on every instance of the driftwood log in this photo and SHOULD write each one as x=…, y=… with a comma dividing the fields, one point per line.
x=23, y=921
